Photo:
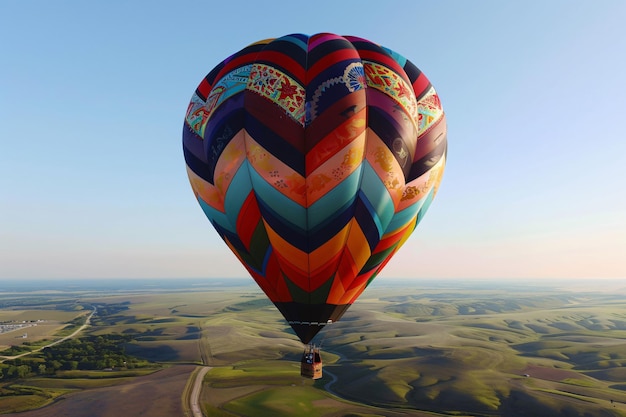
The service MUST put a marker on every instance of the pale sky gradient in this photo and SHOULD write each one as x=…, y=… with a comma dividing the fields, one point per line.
x=93, y=96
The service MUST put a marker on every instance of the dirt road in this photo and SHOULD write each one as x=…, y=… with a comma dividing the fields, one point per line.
x=194, y=400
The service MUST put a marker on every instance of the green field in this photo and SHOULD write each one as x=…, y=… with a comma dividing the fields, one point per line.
x=402, y=350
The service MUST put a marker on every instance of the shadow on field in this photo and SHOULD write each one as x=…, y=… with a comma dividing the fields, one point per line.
x=160, y=353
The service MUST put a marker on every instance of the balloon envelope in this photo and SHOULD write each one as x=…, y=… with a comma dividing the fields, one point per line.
x=314, y=157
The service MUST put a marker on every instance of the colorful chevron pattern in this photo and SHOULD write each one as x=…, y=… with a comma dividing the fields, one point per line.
x=314, y=157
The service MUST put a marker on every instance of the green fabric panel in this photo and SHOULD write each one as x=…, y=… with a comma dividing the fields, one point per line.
x=319, y=296
x=259, y=244
x=377, y=258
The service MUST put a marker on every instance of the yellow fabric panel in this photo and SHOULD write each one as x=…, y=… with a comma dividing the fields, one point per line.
x=357, y=245
x=408, y=229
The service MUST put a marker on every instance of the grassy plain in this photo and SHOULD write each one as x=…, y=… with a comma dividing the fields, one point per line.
x=510, y=352
x=514, y=352
x=405, y=350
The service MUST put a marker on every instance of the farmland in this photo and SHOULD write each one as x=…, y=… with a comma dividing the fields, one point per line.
x=406, y=349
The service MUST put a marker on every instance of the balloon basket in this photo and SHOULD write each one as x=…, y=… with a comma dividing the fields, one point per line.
x=311, y=363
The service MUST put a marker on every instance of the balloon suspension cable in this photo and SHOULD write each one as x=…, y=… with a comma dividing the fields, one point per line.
x=323, y=337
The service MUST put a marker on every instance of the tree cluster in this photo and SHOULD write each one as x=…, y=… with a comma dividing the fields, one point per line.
x=87, y=353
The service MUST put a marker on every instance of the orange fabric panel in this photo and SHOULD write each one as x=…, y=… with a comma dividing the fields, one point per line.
x=319, y=276
x=336, y=169
x=205, y=191
x=337, y=139
x=286, y=252
x=233, y=156
x=352, y=294
x=336, y=292
x=274, y=171
x=385, y=165
x=321, y=256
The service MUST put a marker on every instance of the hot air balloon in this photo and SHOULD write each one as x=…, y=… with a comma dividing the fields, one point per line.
x=314, y=158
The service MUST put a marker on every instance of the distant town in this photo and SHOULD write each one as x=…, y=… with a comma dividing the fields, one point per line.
x=10, y=326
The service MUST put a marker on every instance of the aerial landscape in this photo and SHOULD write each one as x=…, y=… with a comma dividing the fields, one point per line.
x=323, y=209
x=448, y=349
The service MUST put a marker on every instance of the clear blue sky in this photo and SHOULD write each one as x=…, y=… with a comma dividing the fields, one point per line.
x=93, y=96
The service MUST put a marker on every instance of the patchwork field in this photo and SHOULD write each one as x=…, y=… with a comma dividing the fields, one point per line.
x=155, y=395
x=424, y=349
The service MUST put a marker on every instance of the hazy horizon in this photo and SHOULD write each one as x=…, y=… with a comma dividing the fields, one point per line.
x=221, y=283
